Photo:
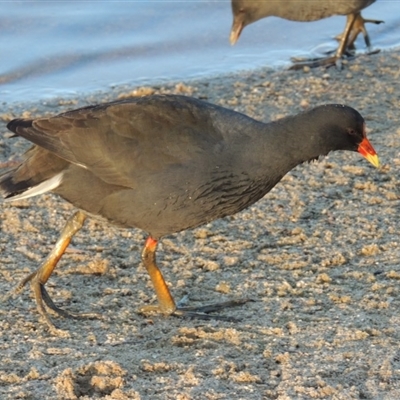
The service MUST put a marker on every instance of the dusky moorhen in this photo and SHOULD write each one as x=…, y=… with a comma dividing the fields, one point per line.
x=165, y=164
x=246, y=12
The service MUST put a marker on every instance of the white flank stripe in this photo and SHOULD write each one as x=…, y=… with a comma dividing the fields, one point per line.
x=43, y=187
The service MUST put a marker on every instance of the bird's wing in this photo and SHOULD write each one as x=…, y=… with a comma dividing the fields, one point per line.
x=118, y=140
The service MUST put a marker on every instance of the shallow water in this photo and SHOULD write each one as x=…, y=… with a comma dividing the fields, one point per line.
x=70, y=48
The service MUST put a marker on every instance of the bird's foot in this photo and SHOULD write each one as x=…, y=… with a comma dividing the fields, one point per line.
x=357, y=28
x=39, y=278
x=375, y=51
x=201, y=312
x=318, y=62
x=42, y=297
x=327, y=62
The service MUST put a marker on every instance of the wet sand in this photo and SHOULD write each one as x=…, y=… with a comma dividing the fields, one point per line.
x=318, y=256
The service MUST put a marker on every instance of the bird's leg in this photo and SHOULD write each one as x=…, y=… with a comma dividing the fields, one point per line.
x=359, y=27
x=39, y=278
x=354, y=26
x=351, y=18
x=332, y=60
x=166, y=304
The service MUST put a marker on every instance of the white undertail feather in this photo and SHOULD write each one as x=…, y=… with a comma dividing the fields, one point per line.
x=43, y=187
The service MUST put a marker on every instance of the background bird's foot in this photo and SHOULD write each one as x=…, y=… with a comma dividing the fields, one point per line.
x=357, y=28
x=318, y=62
x=327, y=62
x=375, y=51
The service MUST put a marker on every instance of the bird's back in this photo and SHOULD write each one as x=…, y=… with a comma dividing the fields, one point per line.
x=298, y=10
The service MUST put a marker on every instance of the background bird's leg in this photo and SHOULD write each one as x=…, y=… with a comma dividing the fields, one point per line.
x=359, y=27
x=39, y=278
x=166, y=303
x=345, y=35
x=332, y=60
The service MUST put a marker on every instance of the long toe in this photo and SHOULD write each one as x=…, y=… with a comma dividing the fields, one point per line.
x=198, y=312
x=188, y=313
x=65, y=314
x=320, y=62
x=43, y=298
x=209, y=308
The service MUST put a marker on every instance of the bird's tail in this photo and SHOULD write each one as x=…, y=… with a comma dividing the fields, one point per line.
x=36, y=174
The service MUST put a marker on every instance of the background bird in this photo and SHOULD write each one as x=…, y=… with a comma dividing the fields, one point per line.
x=246, y=12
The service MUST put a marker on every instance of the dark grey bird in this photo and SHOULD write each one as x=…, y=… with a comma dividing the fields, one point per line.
x=164, y=164
x=246, y=12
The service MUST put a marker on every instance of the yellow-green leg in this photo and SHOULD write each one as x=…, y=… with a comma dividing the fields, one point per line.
x=166, y=304
x=39, y=278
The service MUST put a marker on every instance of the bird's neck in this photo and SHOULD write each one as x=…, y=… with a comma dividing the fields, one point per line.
x=282, y=145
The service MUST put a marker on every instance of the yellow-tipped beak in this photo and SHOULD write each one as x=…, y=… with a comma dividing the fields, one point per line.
x=365, y=149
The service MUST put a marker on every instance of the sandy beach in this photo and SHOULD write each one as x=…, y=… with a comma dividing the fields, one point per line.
x=318, y=256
